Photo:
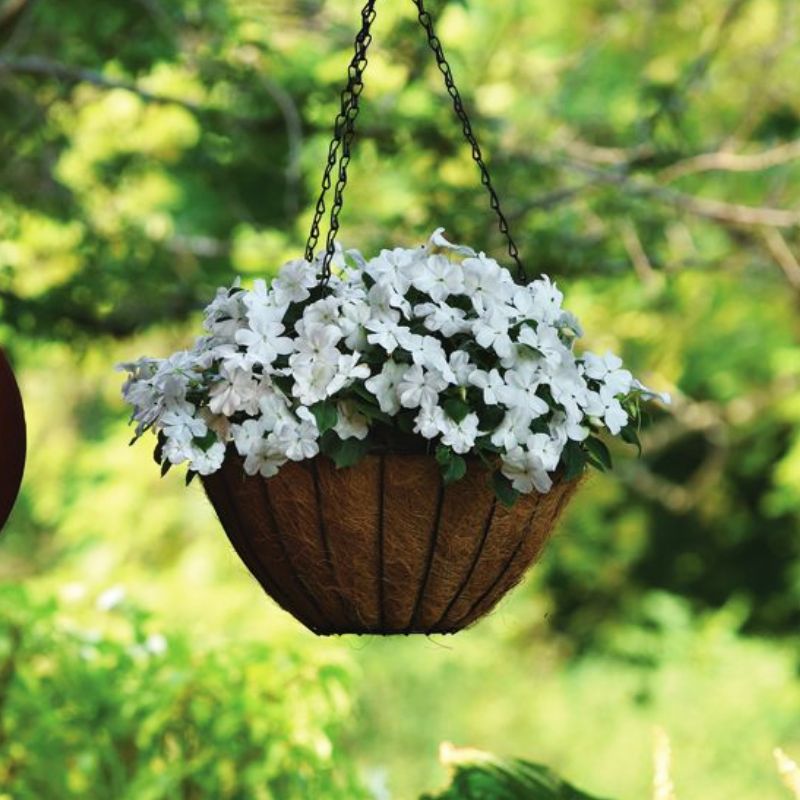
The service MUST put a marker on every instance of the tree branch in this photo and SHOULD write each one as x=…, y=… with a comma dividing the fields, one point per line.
x=732, y=162
x=38, y=66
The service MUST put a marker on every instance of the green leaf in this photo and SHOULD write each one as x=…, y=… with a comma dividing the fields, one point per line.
x=204, y=442
x=444, y=455
x=629, y=435
x=454, y=470
x=505, y=492
x=455, y=408
x=574, y=460
x=326, y=415
x=158, y=453
x=598, y=451
x=490, y=417
x=349, y=452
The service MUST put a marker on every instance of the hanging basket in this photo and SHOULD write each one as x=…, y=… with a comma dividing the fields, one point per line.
x=443, y=387
x=383, y=547
x=12, y=436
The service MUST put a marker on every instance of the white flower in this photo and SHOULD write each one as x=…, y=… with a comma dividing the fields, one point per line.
x=461, y=367
x=520, y=390
x=225, y=315
x=206, y=462
x=180, y=424
x=491, y=332
x=348, y=370
x=546, y=449
x=249, y=435
x=546, y=300
x=525, y=471
x=312, y=379
x=297, y=439
x=384, y=386
x=460, y=436
x=177, y=451
x=293, y=282
x=420, y=387
x=486, y=283
x=545, y=341
x=235, y=391
x=316, y=343
x=324, y=313
x=384, y=301
x=442, y=318
x=384, y=333
x=492, y=384
x=430, y=422
x=604, y=406
x=406, y=327
x=427, y=351
x=263, y=337
x=438, y=240
x=439, y=278
x=264, y=459
x=350, y=423
x=514, y=428
x=608, y=370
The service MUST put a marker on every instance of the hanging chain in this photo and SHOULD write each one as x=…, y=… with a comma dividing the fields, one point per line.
x=458, y=105
x=344, y=130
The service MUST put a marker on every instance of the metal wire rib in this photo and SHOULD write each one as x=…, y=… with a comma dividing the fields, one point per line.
x=381, y=513
x=487, y=526
x=298, y=580
x=344, y=130
x=345, y=606
x=434, y=541
x=458, y=105
x=241, y=543
x=476, y=606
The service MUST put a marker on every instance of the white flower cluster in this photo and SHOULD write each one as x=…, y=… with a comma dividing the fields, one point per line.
x=438, y=342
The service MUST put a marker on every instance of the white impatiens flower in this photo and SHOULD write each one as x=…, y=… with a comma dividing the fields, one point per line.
x=294, y=282
x=545, y=341
x=461, y=436
x=438, y=277
x=420, y=387
x=430, y=422
x=491, y=332
x=350, y=424
x=297, y=438
x=264, y=338
x=180, y=424
x=384, y=386
x=520, y=390
x=608, y=370
x=526, y=471
x=493, y=385
x=205, y=462
x=236, y=390
x=392, y=347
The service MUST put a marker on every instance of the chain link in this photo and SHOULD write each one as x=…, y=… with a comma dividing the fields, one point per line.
x=344, y=130
x=458, y=105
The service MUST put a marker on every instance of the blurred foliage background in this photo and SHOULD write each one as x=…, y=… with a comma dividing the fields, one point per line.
x=648, y=154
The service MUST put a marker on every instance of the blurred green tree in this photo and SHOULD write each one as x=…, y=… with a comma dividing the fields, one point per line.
x=647, y=153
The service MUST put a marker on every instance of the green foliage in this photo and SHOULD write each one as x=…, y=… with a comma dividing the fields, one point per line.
x=122, y=211
x=99, y=706
x=492, y=779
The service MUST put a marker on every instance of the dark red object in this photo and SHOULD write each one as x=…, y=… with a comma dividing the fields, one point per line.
x=12, y=439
